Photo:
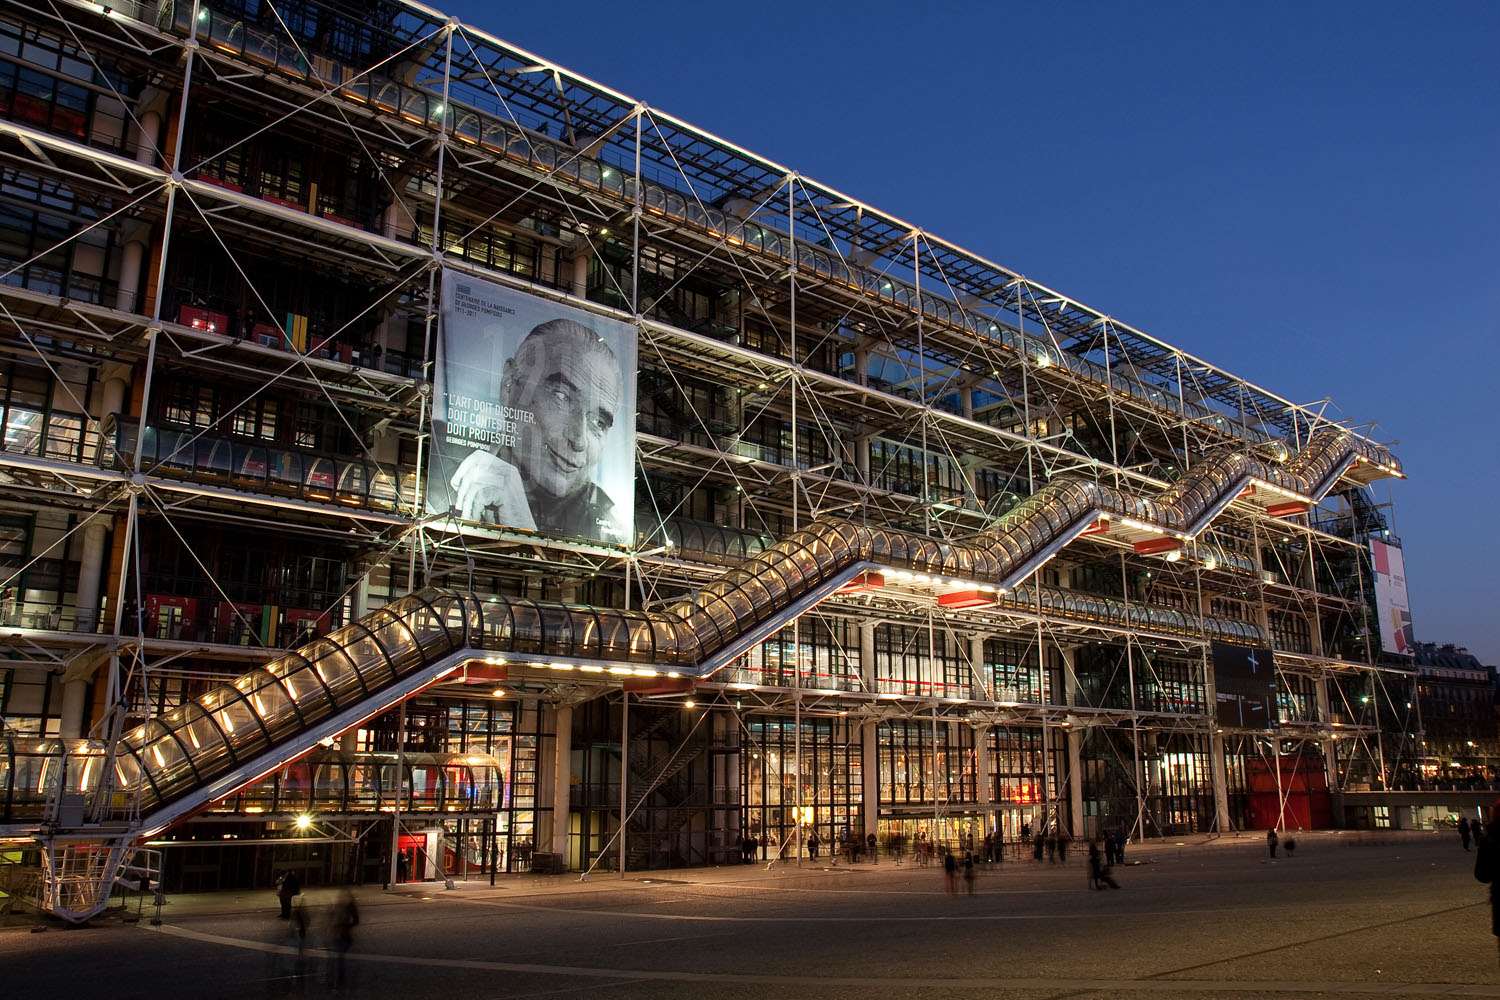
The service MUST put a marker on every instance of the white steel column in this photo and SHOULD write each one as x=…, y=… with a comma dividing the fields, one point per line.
x=1075, y=781
x=562, y=769
x=868, y=674
x=1074, y=746
x=869, y=773
x=624, y=756
x=1329, y=745
x=985, y=777
x=1220, y=780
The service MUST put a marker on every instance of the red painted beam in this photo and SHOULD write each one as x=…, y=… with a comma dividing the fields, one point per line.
x=1153, y=545
x=865, y=581
x=660, y=685
x=960, y=599
x=1286, y=509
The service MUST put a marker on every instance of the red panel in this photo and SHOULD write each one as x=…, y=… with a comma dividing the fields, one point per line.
x=966, y=599
x=1286, y=509
x=660, y=685
x=1099, y=527
x=1153, y=545
x=865, y=581
x=485, y=673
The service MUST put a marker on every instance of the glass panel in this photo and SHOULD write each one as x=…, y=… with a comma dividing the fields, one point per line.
x=235, y=718
x=369, y=659
x=331, y=666
x=666, y=634
x=426, y=784
x=302, y=686
x=642, y=641
x=271, y=702
x=526, y=627
x=363, y=787
x=328, y=786
x=584, y=625
x=557, y=628
x=296, y=783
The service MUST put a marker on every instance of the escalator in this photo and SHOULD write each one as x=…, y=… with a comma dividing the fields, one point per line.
x=210, y=747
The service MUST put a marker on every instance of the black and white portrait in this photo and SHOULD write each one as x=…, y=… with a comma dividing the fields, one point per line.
x=534, y=415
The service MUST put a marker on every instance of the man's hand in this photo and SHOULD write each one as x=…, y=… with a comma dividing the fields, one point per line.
x=489, y=490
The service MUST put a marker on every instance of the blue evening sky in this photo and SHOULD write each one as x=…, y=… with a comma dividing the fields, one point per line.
x=1306, y=194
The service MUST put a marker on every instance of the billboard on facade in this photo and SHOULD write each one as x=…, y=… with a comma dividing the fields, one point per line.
x=533, y=419
x=1391, y=604
x=1244, y=686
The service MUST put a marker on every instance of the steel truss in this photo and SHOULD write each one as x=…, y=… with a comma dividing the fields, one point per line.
x=863, y=368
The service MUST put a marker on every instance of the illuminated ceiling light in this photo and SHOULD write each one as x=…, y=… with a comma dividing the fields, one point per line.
x=304, y=821
x=562, y=666
x=590, y=668
x=673, y=673
x=620, y=671
x=644, y=672
x=690, y=704
x=498, y=692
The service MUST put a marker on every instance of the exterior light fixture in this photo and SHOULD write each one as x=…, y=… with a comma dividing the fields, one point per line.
x=304, y=821
x=498, y=692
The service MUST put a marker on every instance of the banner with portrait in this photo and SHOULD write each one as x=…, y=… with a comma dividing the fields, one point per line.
x=1391, y=603
x=533, y=418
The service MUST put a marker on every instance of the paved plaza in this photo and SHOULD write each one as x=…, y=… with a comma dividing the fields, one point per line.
x=1347, y=916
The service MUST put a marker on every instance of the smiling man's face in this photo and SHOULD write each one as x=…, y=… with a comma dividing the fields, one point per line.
x=569, y=379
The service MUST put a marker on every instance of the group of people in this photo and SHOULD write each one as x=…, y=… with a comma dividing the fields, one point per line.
x=851, y=846
x=339, y=921
x=954, y=867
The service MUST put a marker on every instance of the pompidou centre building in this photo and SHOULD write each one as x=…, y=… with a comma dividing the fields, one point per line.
x=421, y=461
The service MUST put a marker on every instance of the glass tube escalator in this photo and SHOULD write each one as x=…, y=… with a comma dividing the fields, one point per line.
x=230, y=727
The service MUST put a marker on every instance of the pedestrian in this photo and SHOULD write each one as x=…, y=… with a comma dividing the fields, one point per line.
x=1119, y=847
x=969, y=872
x=1063, y=840
x=1052, y=848
x=870, y=847
x=950, y=872
x=343, y=920
x=989, y=847
x=1037, y=846
x=1099, y=873
x=1463, y=831
x=812, y=844
x=1272, y=840
x=287, y=886
x=291, y=957
x=1109, y=848
x=1487, y=865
